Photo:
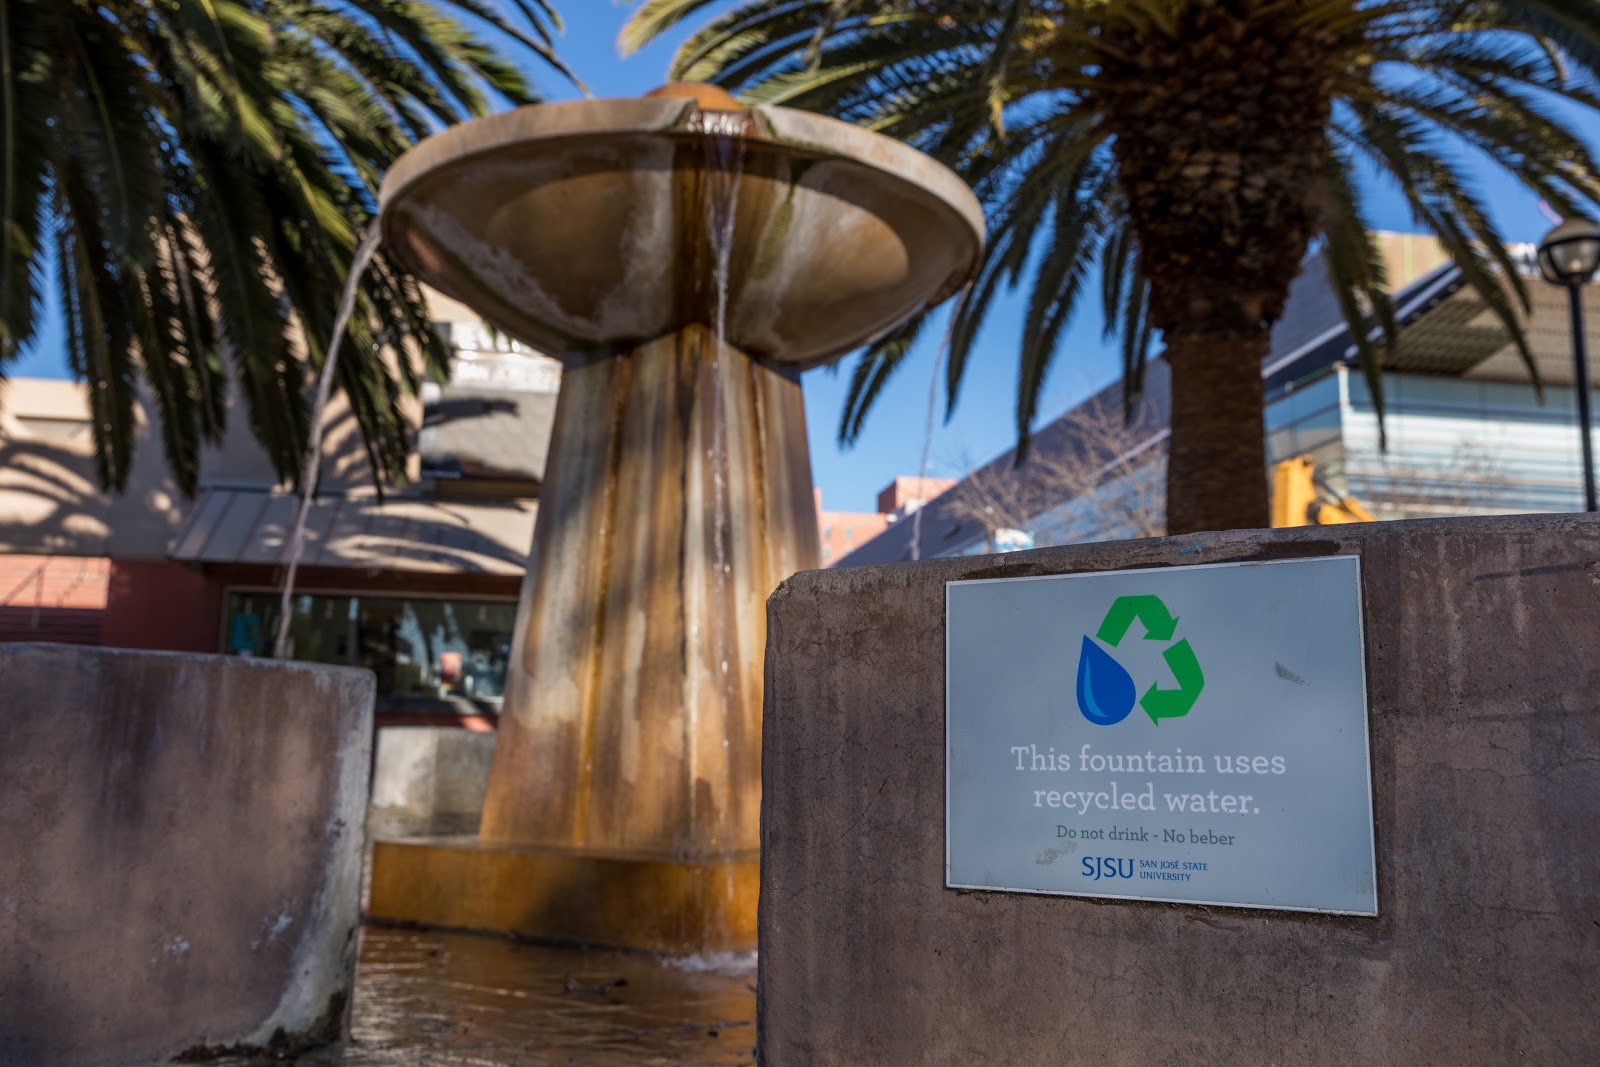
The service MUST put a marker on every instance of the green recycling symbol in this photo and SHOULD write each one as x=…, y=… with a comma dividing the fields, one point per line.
x=1106, y=689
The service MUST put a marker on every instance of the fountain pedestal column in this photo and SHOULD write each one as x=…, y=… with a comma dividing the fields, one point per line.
x=679, y=496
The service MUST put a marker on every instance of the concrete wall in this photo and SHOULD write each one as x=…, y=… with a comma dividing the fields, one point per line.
x=50, y=496
x=1483, y=666
x=429, y=780
x=182, y=852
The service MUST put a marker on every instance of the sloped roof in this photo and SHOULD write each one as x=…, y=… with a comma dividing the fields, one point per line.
x=355, y=530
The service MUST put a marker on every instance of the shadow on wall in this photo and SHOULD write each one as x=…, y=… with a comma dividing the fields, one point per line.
x=51, y=503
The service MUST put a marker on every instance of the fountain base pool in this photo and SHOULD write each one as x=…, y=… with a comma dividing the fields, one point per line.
x=642, y=902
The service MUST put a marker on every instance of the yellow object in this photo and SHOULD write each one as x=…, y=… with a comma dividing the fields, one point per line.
x=659, y=905
x=1298, y=500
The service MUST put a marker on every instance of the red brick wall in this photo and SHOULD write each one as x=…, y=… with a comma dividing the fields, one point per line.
x=155, y=604
x=842, y=532
x=53, y=598
x=905, y=489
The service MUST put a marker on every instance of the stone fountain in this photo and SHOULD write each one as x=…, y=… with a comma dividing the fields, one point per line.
x=686, y=259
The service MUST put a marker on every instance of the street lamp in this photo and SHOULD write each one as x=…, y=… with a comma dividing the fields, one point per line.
x=1569, y=256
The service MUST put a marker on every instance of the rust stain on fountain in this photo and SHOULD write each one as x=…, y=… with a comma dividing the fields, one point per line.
x=624, y=801
x=706, y=96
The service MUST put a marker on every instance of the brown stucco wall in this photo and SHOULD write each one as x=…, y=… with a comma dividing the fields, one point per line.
x=182, y=852
x=1483, y=661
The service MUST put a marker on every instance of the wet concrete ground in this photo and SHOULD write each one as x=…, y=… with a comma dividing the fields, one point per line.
x=455, y=1000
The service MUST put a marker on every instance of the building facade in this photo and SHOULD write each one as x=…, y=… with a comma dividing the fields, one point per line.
x=418, y=583
x=1465, y=430
x=841, y=532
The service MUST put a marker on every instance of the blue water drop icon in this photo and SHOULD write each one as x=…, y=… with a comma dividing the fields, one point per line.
x=1105, y=690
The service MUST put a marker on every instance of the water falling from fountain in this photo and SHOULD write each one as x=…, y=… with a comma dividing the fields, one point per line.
x=927, y=429
x=308, y=479
x=724, y=167
x=725, y=144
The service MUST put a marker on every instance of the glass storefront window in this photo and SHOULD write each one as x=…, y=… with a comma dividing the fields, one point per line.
x=423, y=650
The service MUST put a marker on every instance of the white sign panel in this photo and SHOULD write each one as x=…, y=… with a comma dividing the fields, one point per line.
x=1184, y=734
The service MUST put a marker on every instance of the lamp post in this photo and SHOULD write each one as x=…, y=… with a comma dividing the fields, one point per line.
x=1569, y=256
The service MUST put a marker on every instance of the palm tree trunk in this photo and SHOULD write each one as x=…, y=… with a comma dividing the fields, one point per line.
x=1216, y=463
x=1220, y=125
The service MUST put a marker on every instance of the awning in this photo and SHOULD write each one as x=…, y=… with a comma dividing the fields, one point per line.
x=354, y=530
x=1455, y=334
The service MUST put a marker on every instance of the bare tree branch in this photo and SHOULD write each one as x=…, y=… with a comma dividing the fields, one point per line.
x=1466, y=482
x=1094, y=476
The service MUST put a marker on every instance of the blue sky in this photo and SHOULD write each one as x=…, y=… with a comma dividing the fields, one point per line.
x=893, y=440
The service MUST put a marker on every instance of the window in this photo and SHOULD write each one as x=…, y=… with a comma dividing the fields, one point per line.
x=422, y=650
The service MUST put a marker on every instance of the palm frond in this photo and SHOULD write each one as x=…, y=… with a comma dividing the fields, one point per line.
x=1571, y=25
x=199, y=169
x=874, y=367
x=1356, y=268
x=1413, y=84
x=1075, y=243
x=25, y=151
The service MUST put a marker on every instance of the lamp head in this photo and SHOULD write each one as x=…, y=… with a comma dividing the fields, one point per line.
x=1570, y=254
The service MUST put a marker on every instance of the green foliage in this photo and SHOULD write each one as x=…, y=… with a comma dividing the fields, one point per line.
x=200, y=171
x=1016, y=94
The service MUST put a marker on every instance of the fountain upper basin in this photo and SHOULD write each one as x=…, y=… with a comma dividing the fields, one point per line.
x=586, y=224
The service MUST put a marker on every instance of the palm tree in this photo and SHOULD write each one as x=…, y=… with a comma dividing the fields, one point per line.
x=188, y=177
x=1190, y=151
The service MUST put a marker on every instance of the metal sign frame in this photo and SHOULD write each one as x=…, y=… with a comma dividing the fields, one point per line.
x=1366, y=737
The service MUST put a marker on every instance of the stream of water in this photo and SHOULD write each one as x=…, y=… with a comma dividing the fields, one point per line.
x=308, y=479
x=724, y=169
x=927, y=434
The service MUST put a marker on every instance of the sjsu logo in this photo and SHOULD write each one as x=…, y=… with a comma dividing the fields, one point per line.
x=1105, y=689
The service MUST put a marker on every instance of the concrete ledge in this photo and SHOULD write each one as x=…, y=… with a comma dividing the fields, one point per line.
x=180, y=853
x=1483, y=666
x=646, y=903
x=428, y=780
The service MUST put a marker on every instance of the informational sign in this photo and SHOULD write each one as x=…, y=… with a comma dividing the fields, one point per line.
x=1185, y=734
